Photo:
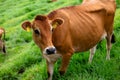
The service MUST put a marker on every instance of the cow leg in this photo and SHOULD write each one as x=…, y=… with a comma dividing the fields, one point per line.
x=4, y=50
x=50, y=67
x=108, y=46
x=65, y=62
x=92, y=52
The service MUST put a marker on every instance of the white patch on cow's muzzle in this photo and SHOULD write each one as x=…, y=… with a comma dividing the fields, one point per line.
x=51, y=57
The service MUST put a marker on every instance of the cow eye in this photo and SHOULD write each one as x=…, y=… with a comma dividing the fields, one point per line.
x=37, y=32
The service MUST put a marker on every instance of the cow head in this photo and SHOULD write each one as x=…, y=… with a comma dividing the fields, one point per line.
x=42, y=33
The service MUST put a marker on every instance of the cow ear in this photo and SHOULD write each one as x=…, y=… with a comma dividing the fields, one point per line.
x=57, y=22
x=40, y=17
x=26, y=25
x=2, y=30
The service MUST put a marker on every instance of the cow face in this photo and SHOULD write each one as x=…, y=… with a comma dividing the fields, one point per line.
x=42, y=33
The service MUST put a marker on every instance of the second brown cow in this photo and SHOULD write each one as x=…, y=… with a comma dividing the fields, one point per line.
x=2, y=41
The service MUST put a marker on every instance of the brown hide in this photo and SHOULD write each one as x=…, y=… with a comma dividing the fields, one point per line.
x=108, y=5
x=83, y=25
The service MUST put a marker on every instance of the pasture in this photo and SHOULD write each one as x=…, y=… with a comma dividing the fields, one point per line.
x=24, y=61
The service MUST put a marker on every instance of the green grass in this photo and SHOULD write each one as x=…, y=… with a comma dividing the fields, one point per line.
x=24, y=61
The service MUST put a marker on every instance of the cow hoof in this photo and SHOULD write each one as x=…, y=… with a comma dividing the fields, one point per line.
x=108, y=58
x=62, y=72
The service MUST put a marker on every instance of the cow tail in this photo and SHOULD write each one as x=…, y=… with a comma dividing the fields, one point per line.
x=113, y=39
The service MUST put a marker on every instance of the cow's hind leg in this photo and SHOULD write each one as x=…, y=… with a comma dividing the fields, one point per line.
x=92, y=52
x=110, y=40
x=108, y=46
x=4, y=49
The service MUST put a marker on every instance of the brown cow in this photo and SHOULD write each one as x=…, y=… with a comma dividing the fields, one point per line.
x=72, y=29
x=2, y=43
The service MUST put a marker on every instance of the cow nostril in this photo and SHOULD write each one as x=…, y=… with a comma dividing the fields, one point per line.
x=50, y=51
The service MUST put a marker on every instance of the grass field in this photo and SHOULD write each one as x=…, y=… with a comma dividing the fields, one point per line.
x=24, y=61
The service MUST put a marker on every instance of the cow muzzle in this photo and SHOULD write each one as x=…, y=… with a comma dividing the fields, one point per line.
x=49, y=50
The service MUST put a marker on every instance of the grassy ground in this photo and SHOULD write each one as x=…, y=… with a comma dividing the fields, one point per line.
x=24, y=61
